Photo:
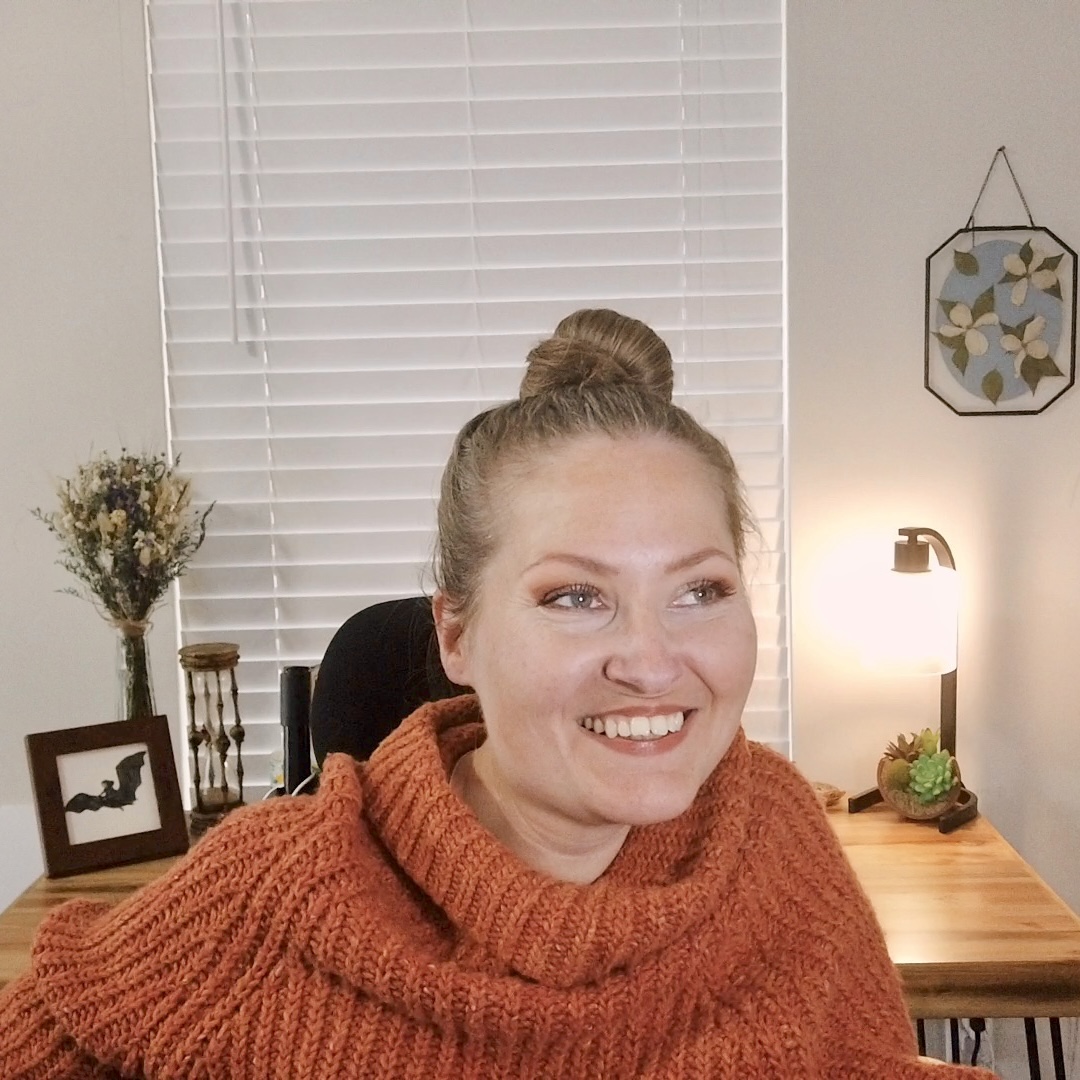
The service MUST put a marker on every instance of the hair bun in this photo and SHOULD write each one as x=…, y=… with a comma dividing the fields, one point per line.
x=597, y=346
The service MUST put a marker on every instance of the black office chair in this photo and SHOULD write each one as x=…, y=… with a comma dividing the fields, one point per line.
x=380, y=665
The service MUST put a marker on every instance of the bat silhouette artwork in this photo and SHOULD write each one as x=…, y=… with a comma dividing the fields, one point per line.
x=129, y=776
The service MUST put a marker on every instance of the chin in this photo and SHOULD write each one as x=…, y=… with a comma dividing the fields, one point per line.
x=651, y=804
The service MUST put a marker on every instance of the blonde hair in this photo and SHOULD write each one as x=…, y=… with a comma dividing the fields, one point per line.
x=601, y=373
x=598, y=345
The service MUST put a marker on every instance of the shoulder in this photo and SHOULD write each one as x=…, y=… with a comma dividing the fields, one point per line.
x=191, y=935
x=779, y=777
x=788, y=825
x=256, y=848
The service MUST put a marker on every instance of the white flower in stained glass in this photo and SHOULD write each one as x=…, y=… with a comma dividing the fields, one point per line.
x=1038, y=269
x=1031, y=345
x=962, y=324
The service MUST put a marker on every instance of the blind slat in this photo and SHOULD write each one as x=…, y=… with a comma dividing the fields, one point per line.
x=418, y=193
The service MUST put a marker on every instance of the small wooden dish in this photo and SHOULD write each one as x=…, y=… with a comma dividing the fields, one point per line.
x=827, y=794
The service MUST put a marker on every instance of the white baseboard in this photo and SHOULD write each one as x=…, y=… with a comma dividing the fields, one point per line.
x=20, y=851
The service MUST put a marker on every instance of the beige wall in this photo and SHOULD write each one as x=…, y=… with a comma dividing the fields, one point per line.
x=895, y=109
x=80, y=346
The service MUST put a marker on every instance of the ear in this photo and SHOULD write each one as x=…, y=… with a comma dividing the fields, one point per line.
x=453, y=643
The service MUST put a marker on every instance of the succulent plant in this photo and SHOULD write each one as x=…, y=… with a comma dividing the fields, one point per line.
x=908, y=748
x=928, y=742
x=903, y=749
x=896, y=774
x=932, y=775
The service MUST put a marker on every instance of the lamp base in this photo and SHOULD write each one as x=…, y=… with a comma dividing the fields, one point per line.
x=864, y=800
x=965, y=810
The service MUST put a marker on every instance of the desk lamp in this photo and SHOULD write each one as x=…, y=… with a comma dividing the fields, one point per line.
x=918, y=636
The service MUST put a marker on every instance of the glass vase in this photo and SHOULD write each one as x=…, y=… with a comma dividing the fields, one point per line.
x=135, y=688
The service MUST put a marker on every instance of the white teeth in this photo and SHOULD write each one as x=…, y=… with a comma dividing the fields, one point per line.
x=638, y=728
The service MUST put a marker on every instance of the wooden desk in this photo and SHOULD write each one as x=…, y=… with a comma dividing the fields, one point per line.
x=972, y=928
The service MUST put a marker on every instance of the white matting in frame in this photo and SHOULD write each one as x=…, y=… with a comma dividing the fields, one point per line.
x=108, y=792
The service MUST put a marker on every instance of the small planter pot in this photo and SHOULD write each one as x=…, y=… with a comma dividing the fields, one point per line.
x=907, y=804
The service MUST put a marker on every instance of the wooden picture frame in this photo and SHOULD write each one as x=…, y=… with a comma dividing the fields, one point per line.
x=106, y=794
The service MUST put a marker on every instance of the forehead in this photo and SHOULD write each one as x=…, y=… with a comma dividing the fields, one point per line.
x=611, y=498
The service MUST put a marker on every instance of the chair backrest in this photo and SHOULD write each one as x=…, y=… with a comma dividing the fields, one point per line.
x=380, y=666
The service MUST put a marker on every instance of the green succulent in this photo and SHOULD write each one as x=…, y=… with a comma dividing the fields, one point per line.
x=908, y=748
x=932, y=775
x=895, y=774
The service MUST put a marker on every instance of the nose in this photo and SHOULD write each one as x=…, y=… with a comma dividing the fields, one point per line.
x=643, y=657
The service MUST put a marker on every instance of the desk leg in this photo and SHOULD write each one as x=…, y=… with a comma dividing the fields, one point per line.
x=954, y=1038
x=920, y=1031
x=1055, y=1043
x=1034, y=1068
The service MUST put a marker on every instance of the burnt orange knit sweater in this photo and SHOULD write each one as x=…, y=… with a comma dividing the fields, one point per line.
x=377, y=930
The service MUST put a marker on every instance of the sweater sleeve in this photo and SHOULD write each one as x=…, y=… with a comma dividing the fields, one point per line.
x=871, y=1033
x=118, y=991
x=865, y=1031
x=32, y=1043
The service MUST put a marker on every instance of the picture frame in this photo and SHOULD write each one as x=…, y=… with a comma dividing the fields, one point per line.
x=1000, y=330
x=106, y=794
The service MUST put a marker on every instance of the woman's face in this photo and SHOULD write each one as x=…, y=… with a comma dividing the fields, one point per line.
x=612, y=645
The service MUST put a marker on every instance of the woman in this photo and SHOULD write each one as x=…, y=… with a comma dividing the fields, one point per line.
x=599, y=878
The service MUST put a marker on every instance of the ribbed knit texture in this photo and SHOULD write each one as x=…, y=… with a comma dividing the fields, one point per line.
x=377, y=930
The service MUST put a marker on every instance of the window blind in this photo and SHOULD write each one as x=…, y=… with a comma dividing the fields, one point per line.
x=369, y=212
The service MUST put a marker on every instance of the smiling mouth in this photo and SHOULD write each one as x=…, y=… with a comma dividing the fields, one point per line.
x=635, y=728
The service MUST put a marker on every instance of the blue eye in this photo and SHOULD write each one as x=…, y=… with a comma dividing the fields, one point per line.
x=703, y=593
x=574, y=598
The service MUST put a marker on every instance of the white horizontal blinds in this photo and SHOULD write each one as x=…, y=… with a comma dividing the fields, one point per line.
x=419, y=192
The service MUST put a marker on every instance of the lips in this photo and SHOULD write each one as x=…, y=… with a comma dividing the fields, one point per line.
x=635, y=728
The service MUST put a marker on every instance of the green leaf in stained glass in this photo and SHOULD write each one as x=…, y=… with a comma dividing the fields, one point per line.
x=960, y=358
x=966, y=263
x=1025, y=253
x=947, y=305
x=1030, y=373
x=984, y=304
x=1052, y=262
x=1054, y=290
x=1032, y=370
x=992, y=386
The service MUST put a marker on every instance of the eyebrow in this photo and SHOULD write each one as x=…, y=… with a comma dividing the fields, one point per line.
x=595, y=566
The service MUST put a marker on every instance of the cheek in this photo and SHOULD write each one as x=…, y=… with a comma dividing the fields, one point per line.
x=547, y=671
x=729, y=653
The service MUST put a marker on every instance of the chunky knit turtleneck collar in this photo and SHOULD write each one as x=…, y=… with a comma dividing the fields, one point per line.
x=378, y=930
x=666, y=878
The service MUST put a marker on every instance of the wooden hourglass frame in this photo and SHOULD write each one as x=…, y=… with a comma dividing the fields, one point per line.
x=208, y=738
